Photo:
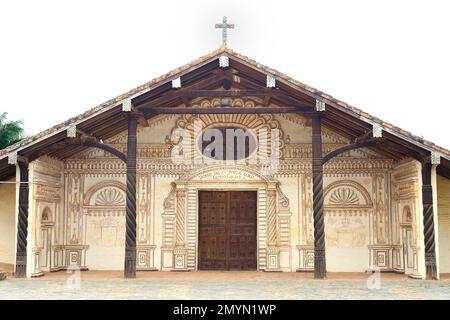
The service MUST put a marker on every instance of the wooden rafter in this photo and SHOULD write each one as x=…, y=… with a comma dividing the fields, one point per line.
x=353, y=146
x=72, y=142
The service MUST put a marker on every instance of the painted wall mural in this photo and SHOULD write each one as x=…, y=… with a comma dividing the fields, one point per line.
x=363, y=192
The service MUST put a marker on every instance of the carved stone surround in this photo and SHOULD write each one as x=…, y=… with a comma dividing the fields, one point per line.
x=46, y=218
x=406, y=196
x=180, y=216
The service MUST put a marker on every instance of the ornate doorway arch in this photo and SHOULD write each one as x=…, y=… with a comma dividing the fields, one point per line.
x=180, y=216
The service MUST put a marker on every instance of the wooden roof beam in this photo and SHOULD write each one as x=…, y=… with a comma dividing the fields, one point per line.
x=229, y=110
x=73, y=131
x=176, y=93
x=376, y=132
x=128, y=107
x=223, y=94
x=276, y=92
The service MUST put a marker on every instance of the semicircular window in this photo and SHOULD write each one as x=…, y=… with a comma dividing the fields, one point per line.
x=227, y=143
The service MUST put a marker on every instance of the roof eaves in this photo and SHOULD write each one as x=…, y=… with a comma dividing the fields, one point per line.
x=108, y=105
x=343, y=106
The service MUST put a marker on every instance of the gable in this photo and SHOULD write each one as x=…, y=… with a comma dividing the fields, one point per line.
x=106, y=120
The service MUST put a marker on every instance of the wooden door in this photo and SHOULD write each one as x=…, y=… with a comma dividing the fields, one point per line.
x=227, y=230
x=408, y=255
x=46, y=234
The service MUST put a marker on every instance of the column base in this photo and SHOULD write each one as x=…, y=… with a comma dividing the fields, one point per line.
x=147, y=269
x=180, y=270
x=273, y=259
x=320, y=266
x=430, y=267
x=37, y=274
x=272, y=270
x=20, y=269
x=180, y=259
x=130, y=263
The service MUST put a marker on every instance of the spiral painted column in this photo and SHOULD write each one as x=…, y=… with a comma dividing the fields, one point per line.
x=180, y=218
x=272, y=218
x=22, y=223
x=130, y=241
x=428, y=222
x=318, y=214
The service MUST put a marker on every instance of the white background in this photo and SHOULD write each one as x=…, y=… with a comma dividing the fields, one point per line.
x=389, y=58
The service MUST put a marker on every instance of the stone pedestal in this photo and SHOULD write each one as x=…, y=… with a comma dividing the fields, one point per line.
x=273, y=259
x=180, y=259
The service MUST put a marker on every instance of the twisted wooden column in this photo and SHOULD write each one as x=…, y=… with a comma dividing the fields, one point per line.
x=22, y=225
x=319, y=225
x=130, y=241
x=428, y=222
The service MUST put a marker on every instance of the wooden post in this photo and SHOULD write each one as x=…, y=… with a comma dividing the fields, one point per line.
x=22, y=225
x=428, y=222
x=130, y=241
x=319, y=226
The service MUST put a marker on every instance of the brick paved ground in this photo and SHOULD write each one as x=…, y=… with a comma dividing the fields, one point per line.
x=222, y=285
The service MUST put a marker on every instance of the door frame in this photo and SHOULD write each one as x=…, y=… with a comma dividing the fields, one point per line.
x=405, y=228
x=225, y=189
x=231, y=187
x=46, y=249
x=184, y=194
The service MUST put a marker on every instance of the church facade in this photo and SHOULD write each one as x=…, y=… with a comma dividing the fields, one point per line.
x=225, y=164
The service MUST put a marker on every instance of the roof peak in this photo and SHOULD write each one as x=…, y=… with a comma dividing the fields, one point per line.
x=150, y=85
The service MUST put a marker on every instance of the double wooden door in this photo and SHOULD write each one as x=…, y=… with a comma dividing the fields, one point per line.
x=227, y=230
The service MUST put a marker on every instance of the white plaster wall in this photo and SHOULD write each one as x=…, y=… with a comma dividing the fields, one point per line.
x=296, y=131
x=7, y=221
x=106, y=250
x=443, y=200
x=157, y=133
x=347, y=251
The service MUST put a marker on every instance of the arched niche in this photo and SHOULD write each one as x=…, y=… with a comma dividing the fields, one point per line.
x=346, y=194
x=104, y=217
x=46, y=216
x=407, y=217
x=106, y=193
x=348, y=214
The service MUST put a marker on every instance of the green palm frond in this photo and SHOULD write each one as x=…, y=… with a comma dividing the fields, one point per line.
x=10, y=132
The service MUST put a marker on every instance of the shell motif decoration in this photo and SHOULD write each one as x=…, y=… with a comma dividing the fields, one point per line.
x=110, y=197
x=344, y=197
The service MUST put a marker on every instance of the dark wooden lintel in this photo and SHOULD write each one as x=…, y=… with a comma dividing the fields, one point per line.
x=222, y=94
x=229, y=110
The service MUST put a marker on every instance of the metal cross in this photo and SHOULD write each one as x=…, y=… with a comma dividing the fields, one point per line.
x=224, y=26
